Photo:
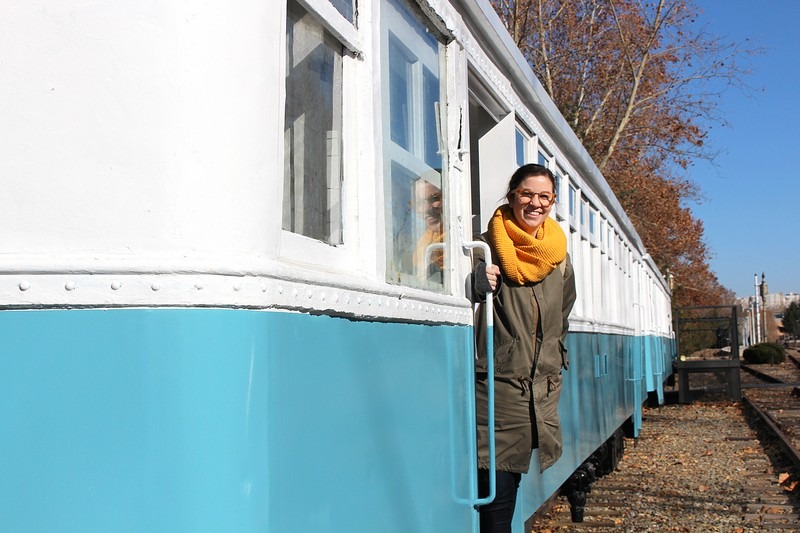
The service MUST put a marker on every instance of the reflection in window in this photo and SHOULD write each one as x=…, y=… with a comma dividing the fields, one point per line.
x=313, y=129
x=415, y=237
x=417, y=234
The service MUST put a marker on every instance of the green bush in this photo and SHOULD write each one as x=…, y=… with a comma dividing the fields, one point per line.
x=765, y=353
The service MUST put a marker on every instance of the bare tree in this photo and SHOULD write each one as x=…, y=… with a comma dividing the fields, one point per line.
x=639, y=83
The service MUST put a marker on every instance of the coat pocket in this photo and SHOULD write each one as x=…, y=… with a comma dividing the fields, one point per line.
x=503, y=355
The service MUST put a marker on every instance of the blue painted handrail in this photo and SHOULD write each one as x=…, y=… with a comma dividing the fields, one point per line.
x=488, y=307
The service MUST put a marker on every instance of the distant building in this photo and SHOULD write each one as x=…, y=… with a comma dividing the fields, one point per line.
x=774, y=301
x=768, y=303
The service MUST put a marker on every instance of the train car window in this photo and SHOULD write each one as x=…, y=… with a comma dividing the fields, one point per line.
x=559, y=173
x=414, y=192
x=577, y=261
x=312, y=129
x=521, y=146
x=543, y=158
x=626, y=264
x=602, y=235
x=597, y=282
x=595, y=230
x=612, y=295
x=573, y=206
x=346, y=8
x=587, y=274
x=570, y=243
x=584, y=217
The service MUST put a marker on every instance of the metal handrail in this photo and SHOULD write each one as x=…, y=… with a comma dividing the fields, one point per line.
x=489, y=309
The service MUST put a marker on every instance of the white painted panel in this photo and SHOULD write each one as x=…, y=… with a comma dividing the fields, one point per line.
x=139, y=128
x=497, y=161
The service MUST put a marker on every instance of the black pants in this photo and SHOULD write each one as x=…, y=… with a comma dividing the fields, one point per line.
x=496, y=516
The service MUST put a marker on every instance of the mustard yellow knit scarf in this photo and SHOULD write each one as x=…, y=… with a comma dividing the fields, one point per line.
x=523, y=257
x=437, y=257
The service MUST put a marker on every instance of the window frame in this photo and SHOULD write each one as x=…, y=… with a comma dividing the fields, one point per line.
x=593, y=224
x=335, y=23
x=561, y=178
x=573, y=205
x=522, y=136
x=583, y=217
x=412, y=160
x=298, y=248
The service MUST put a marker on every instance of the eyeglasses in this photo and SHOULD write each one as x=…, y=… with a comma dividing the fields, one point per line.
x=431, y=198
x=524, y=196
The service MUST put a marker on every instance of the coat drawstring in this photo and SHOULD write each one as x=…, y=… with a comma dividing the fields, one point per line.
x=525, y=382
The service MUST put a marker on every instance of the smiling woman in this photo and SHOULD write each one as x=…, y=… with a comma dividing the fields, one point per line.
x=529, y=337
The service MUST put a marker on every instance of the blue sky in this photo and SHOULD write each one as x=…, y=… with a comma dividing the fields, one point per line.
x=750, y=214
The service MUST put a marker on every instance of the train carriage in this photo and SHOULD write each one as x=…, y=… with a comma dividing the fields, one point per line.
x=235, y=263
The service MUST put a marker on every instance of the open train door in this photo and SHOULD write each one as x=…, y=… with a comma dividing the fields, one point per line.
x=492, y=155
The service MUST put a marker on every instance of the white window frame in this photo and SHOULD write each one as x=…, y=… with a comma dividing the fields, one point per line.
x=561, y=207
x=602, y=234
x=593, y=225
x=413, y=160
x=334, y=22
x=583, y=217
x=543, y=153
x=522, y=131
x=596, y=272
x=297, y=248
x=573, y=197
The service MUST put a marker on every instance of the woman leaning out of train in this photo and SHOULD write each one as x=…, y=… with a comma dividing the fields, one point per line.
x=534, y=290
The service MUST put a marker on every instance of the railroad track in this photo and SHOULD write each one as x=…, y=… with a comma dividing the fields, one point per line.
x=771, y=394
x=775, y=396
x=713, y=465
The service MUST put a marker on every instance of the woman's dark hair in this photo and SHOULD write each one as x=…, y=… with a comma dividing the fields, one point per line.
x=526, y=171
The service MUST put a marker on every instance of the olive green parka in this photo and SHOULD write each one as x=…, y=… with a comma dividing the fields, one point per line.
x=530, y=325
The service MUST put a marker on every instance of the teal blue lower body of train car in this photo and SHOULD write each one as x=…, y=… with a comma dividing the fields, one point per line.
x=244, y=420
x=608, y=380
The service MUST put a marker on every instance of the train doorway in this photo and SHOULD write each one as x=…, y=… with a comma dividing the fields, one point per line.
x=492, y=151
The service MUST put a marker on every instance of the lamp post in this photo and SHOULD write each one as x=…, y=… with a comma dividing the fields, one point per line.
x=756, y=313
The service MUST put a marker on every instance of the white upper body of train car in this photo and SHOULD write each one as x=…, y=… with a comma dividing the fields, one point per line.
x=163, y=153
